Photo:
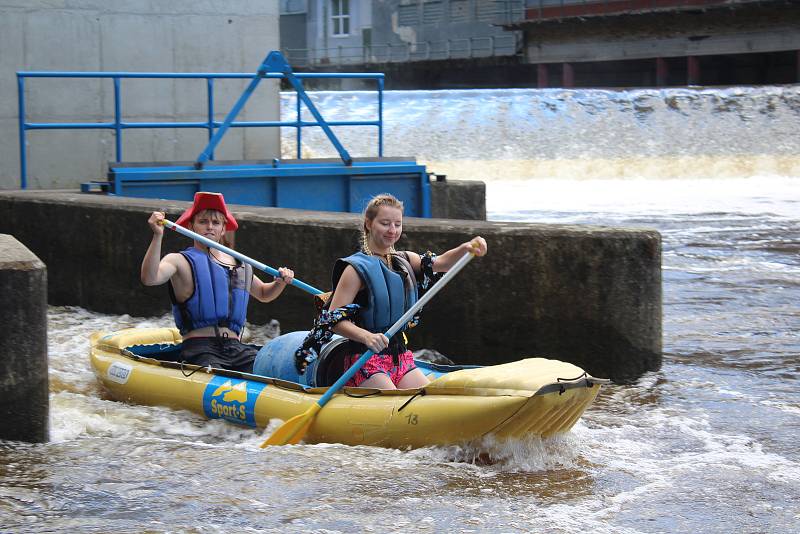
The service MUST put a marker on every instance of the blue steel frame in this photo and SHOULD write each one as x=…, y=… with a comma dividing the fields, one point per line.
x=314, y=184
x=118, y=125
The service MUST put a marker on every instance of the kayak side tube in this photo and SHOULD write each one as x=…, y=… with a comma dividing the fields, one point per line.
x=515, y=400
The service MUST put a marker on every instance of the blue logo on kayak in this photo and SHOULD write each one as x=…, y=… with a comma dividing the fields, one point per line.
x=232, y=399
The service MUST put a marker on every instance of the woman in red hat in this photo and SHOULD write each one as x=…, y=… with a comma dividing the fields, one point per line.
x=209, y=289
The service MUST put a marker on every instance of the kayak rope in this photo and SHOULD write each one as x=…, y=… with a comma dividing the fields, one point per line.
x=347, y=393
x=584, y=375
x=562, y=389
x=420, y=393
x=183, y=372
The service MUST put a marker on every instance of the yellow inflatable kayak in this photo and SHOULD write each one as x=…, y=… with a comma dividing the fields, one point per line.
x=534, y=396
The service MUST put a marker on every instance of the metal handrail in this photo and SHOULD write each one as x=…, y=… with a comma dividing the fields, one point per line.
x=403, y=52
x=210, y=124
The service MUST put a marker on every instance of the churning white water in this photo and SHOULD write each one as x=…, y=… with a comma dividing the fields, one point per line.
x=706, y=444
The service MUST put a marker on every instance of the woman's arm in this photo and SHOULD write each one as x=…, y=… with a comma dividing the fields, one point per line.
x=443, y=262
x=476, y=245
x=345, y=293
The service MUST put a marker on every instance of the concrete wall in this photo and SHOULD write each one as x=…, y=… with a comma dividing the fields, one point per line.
x=126, y=35
x=587, y=295
x=24, y=385
x=458, y=199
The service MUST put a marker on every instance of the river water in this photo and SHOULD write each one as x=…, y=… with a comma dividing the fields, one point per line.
x=707, y=444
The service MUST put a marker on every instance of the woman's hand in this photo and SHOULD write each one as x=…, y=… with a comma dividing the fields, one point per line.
x=375, y=342
x=285, y=277
x=155, y=222
x=476, y=245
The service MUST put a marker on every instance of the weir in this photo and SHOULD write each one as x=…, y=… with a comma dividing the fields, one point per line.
x=528, y=134
x=586, y=295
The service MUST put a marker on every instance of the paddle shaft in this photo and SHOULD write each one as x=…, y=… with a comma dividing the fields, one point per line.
x=401, y=322
x=241, y=257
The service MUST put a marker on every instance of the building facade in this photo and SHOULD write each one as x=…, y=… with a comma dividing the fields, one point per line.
x=367, y=32
x=614, y=43
x=549, y=43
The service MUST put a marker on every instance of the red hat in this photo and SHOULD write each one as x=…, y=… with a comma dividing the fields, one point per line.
x=207, y=201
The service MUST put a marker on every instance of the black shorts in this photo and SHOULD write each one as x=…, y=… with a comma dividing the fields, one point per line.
x=219, y=352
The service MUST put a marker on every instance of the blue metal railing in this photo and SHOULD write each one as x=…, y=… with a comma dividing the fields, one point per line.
x=118, y=125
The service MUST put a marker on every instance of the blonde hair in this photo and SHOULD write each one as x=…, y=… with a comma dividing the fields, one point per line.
x=371, y=211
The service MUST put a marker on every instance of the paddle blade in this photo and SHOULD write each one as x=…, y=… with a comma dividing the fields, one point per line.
x=294, y=430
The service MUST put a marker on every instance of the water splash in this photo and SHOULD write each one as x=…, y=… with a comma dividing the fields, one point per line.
x=554, y=133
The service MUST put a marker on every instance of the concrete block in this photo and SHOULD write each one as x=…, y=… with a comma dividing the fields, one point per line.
x=189, y=143
x=191, y=99
x=230, y=148
x=11, y=60
x=127, y=46
x=256, y=40
x=46, y=33
x=62, y=40
x=263, y=143
x=158, y=144
x=9, y=154
x=65, y=158
x=209, y=43
x=24, y=385
x=458, y=199
x=583, y=294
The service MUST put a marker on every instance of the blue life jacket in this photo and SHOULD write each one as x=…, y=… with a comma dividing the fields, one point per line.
x=219, y=298
x=389, y=294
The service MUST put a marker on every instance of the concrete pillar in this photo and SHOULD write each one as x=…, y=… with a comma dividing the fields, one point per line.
x=541, y=75
x=662, y=71
x=692, y=70
x=568, y=75
x=797, y=71
x=458, y=199
x=24, y=386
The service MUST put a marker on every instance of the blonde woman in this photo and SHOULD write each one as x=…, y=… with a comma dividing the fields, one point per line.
x=372, y=289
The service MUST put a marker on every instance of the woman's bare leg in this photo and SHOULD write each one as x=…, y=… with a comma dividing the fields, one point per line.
x=378, y=381
x=413, y=379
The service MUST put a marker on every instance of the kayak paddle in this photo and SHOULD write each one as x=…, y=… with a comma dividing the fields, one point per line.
x=241, y=257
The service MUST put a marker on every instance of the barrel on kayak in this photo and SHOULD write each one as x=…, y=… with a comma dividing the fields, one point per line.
x=276, y=360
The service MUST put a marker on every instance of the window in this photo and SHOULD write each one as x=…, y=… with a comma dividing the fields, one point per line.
x=340, y=17
x=408, y=15
x=432, y=12
x=486, y=10
x=459, y=11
